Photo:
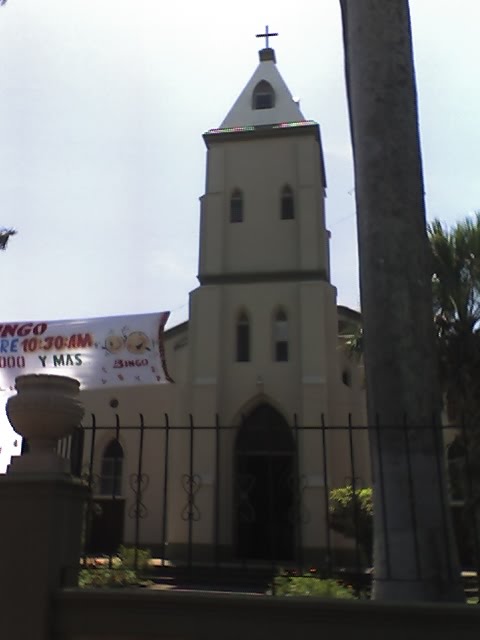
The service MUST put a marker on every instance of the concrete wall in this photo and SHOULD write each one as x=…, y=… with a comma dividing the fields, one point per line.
x=138, y=614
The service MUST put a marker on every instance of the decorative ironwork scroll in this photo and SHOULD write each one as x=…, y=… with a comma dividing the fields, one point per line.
x=138, y=484
x=191, y=485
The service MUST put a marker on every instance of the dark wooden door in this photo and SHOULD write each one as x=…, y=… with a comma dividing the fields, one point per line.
x=265, y=507
x=106, y=526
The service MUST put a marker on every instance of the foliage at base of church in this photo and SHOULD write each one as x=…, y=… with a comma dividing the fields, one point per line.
x=105, y=577
x=127, y=569
x=351, y=514
x=310, y=585
x=135, y=558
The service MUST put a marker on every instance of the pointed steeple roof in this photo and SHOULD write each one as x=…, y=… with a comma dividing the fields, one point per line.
x=246, y=112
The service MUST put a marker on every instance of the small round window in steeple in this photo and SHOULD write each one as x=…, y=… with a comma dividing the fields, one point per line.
x=263, y=96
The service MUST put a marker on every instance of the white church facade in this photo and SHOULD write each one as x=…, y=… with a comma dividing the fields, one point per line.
x=257, y=368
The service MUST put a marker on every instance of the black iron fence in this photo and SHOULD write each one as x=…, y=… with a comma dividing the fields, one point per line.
x=235, y=507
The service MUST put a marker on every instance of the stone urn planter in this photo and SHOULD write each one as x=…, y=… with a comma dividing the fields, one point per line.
x=45, y=409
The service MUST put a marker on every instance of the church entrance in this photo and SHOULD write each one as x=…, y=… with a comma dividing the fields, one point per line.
x=264, y=483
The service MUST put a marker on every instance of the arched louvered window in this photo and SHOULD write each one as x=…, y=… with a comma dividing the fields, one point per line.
x=111, y=469
x=263, y=96
x=280, y=336
x=243, y=338
x=236, y=206
x=287, y=206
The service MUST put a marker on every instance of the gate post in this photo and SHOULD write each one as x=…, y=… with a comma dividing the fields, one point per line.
x=42, y=507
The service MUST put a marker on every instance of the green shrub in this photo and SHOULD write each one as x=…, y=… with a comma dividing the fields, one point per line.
x=105, y=577
x=119, y=572
x=127, y=558
x=352, y=515
x=310, y=585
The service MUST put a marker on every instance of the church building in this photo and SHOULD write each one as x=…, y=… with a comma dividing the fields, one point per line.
x=233, y=457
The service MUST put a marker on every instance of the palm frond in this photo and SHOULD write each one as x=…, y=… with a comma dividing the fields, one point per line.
x=5, y=234
x=352, y=336
x=455, y=255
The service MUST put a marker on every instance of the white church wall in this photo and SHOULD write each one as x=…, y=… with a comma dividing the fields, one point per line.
x=213, y=209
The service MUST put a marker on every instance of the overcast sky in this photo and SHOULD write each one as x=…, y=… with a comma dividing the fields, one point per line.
x=102, y=107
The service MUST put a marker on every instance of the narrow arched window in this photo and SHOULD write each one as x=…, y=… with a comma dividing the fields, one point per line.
x=243, y=338
x=263, y=96
x=236, y=206
x=456, y=461
x=280, y=336
x=111, y=469
x=287, y=208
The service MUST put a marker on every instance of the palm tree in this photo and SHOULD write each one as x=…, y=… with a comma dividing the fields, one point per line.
x=456, y=306
x=456, y=309
x=456, y=314
x=414, y=550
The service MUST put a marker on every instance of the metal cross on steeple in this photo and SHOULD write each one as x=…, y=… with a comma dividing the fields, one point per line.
x=266, y=35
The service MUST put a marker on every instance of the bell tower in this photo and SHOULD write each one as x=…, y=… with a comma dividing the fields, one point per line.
x=263, y=211
x=263, y=321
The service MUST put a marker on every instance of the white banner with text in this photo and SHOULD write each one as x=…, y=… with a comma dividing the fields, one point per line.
x=99, y=352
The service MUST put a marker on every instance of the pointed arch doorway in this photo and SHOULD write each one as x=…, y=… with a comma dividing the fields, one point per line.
x=264, y=474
